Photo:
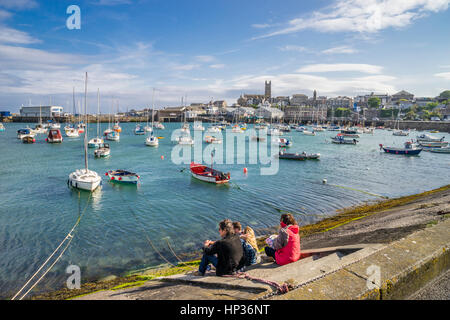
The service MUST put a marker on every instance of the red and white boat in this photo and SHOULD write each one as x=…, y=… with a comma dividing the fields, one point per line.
x=122, y=176
x=54, y=136
x=204, y=173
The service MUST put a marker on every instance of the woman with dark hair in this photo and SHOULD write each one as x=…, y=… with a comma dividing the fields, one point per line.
x=286, y=246
x=230, y=256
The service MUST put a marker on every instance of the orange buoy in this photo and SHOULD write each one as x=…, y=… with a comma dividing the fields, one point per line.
x=162, y=157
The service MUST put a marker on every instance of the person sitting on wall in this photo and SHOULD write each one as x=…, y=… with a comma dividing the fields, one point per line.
x=286, y=246
x=226, y=255
x=249, y=244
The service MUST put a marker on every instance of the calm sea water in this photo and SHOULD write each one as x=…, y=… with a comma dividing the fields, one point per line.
x=37, y=209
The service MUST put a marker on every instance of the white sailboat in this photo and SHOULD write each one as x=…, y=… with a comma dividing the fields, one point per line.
x=85, y=179
x=96, y=142
x=71, y=131
x=152, y=141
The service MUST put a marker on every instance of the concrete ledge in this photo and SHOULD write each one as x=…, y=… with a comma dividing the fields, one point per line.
x=405, y=266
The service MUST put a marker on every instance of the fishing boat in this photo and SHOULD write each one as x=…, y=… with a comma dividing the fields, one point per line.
x=28, y=139
x=103, y=151
x=2, y=127
x=204, y=173
x=113, y=136
x=85, y=179
x=122, y=176
x=298, y=156
x=54, y=136
x=21, y=133
x=213, y=140
x=409, y=149
x=340, y=139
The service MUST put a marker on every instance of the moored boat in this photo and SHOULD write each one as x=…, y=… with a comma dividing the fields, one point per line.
x=95, y=142
x=113, y=136
x=21, y=133
x=28, y=139
x=439, y=150
x=298, y=156
x=340, y=139
x=409, y=149
x=204, y=173
x=213, y=140
x=284, y=143
x=122, y=176
x=54, y=136
x=433, y=144
x=103, y=151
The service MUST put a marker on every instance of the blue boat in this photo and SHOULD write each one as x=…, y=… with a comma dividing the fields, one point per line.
x=410, y=149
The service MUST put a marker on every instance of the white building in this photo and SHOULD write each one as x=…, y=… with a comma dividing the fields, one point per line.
x=43, y=111
x=269, y=113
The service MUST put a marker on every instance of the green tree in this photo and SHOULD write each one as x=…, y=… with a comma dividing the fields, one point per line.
x=411, y=115
x=374, y=102
x=431, y=105
x=445, y=95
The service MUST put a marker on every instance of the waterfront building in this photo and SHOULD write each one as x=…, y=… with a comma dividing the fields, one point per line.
x=299, y=100
x=281, y=101
x=266, y=112
x=362, y=100
x=339, y=102
x=305, y=113
x=171, y=114
x=402, y=95
x=43, y=111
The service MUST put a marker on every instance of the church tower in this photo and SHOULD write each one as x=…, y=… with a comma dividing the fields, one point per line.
x=268, y=91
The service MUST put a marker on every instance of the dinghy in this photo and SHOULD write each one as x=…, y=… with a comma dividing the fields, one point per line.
x=122, y=176
x=28, y=139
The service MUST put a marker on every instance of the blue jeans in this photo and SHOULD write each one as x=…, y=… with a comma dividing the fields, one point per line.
x=206, y=260
x=270, y=252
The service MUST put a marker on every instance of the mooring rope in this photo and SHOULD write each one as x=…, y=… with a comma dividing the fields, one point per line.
x=362, y=191
x=173, y=252
x=281, y=288
x=68, y=236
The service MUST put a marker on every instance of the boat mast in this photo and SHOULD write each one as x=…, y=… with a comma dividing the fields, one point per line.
x=153, y=108
x=74, y=109
x=87, y=124
x=98, y=113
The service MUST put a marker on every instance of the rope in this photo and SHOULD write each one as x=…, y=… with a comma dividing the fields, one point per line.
x=281, y=288
x=173, y=252
x=68, y=236
x=362, y=191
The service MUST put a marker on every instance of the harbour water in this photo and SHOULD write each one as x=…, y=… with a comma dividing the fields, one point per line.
x=37, y=209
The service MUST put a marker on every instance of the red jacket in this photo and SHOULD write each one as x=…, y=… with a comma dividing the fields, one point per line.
x=291, y=252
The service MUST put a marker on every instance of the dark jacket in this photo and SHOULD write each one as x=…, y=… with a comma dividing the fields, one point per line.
x=229, y=253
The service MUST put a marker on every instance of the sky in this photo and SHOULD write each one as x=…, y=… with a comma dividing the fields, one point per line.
x=154, y=52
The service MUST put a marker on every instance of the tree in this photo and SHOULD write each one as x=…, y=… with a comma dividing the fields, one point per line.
x=445, y=95
x=410, y=115
x=374, y=102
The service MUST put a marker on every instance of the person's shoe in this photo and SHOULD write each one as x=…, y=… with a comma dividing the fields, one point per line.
x=198, y=274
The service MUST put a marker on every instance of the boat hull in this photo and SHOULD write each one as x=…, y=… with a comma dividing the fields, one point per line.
x=410, y=152
x=85, y=181
x=203, y=173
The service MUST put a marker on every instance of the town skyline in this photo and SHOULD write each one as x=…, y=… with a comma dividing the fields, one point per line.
x=220, y=50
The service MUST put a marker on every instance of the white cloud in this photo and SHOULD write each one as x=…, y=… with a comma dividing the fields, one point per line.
x=4, y=14
x=9, y=35
x=293, y=48
x=367, y=16
x=217, y=66
x=205, y=58
x=342, y=67
x=444, y=75
x=18, y=4
x=185, y=67
x=260, y=26
x=340, y=50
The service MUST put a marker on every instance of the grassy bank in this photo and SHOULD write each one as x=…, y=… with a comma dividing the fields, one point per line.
x=139, y=277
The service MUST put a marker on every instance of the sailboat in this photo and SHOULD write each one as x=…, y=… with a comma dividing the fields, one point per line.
x=39, y=129
x=116, y=126
x=71, y=131
x=85, y=179
x=152, y=141
x=147, y=128
x=96, y=142
x=398, y=132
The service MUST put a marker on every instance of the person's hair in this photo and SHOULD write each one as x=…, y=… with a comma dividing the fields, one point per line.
x=227, y=226
x=288, y=219
x=251, y=239
x=237, y=225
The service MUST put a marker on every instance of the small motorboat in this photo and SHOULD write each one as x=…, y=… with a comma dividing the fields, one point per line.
x=54, y=136
x=298, y=156
x=433, y=144
x=204, y=173
x=213, y=140
x=340, y=139
x=95, y=142
x=122, y=176
x=429, y=138
x=21, y=133
x=113, y=136
x=409, y=149
x=103, y=151
x=29, y=139
x=309, y=133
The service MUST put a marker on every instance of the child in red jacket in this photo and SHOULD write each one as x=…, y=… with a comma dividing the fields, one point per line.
x=286, y=246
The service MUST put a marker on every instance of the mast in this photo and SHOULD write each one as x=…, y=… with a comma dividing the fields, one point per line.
x=74, y=110
x=87, y=124
x=98, y=113
x=153, y=108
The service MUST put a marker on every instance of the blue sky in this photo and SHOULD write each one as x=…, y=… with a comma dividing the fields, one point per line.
x=218, y=49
